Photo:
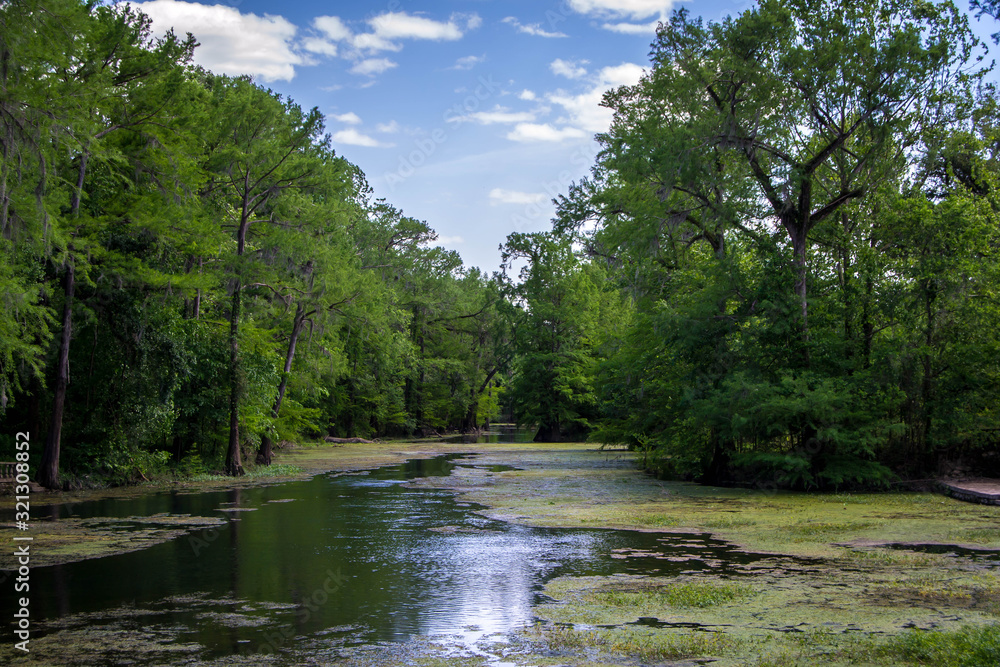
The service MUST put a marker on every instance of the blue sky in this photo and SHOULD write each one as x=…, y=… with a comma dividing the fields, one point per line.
x=469, y=114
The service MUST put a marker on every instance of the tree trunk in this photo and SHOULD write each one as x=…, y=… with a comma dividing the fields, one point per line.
x=867, y=326
x=847, y=288
x=927, y=383
x=801, y=269
x=797, y=232
x=48, y=472
x=264, y=453
x=469, y=424
x=548, y=432
x=197, y=295
x=234, y=464
x=78, y=190
x=718, y=467
x=4, y=194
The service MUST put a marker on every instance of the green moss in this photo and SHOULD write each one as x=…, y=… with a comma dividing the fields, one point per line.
x=658, y=520
x=74, y=539
x=811, y=528
x=729, y=522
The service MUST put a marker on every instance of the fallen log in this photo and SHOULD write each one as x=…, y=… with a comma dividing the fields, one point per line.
x=345, y=441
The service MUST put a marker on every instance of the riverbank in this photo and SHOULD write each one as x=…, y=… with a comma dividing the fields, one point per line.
x=903, y=578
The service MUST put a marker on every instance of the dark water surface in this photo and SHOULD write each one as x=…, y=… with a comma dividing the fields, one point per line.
x=345, y=559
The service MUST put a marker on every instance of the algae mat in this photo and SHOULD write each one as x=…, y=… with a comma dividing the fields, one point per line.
x=897, y=578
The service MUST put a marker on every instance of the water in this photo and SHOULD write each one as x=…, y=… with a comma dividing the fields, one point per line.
x=498, y=433
x=338, y=561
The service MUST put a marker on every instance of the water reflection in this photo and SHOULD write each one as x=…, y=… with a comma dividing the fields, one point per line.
x=345, y=558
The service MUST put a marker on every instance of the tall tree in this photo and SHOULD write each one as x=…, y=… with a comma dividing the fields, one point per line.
x=121, y=78
x=261, y=149
x=814, y=100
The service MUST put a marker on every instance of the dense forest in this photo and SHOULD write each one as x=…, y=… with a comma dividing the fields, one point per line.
x=781, y=271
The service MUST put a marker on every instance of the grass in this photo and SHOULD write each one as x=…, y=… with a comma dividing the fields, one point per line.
x=969, y=646
x=683, y=595
x=812, y=528
x=256, y=472
x=637, y=644
x=659, y=520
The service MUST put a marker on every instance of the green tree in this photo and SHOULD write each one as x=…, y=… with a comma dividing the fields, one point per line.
x=558, y=310
x=261, y=148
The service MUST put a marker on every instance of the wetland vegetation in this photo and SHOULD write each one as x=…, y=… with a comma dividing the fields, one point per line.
x=577, y=557
x=769, y=309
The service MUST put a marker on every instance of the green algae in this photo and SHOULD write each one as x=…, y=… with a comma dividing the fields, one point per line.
x=74, y=539
x=676, y=593
x=846, y=606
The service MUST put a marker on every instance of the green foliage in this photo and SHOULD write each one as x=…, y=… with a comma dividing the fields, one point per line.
x=810, y=253
x=560, y=315
x=233, y=280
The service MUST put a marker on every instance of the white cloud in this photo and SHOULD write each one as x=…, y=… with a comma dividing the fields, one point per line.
x=632, y=28
x=350, y=118
x=450, y=240
x=319, y=45
x=332, y=27
x=374, y=43
x=231, y=42
x=532, y=29
x=497, y=115
x=373, y=66
x=400, y=25
x=387, y=30
x=584, y=109
x=532, y=132
x=583, y=116
x=636, y=9
x=501, y=196
x=352, y=137
x=569, y=68
x=468, y=62
x=626, y=74
x=387, y=128
x=527, y=95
